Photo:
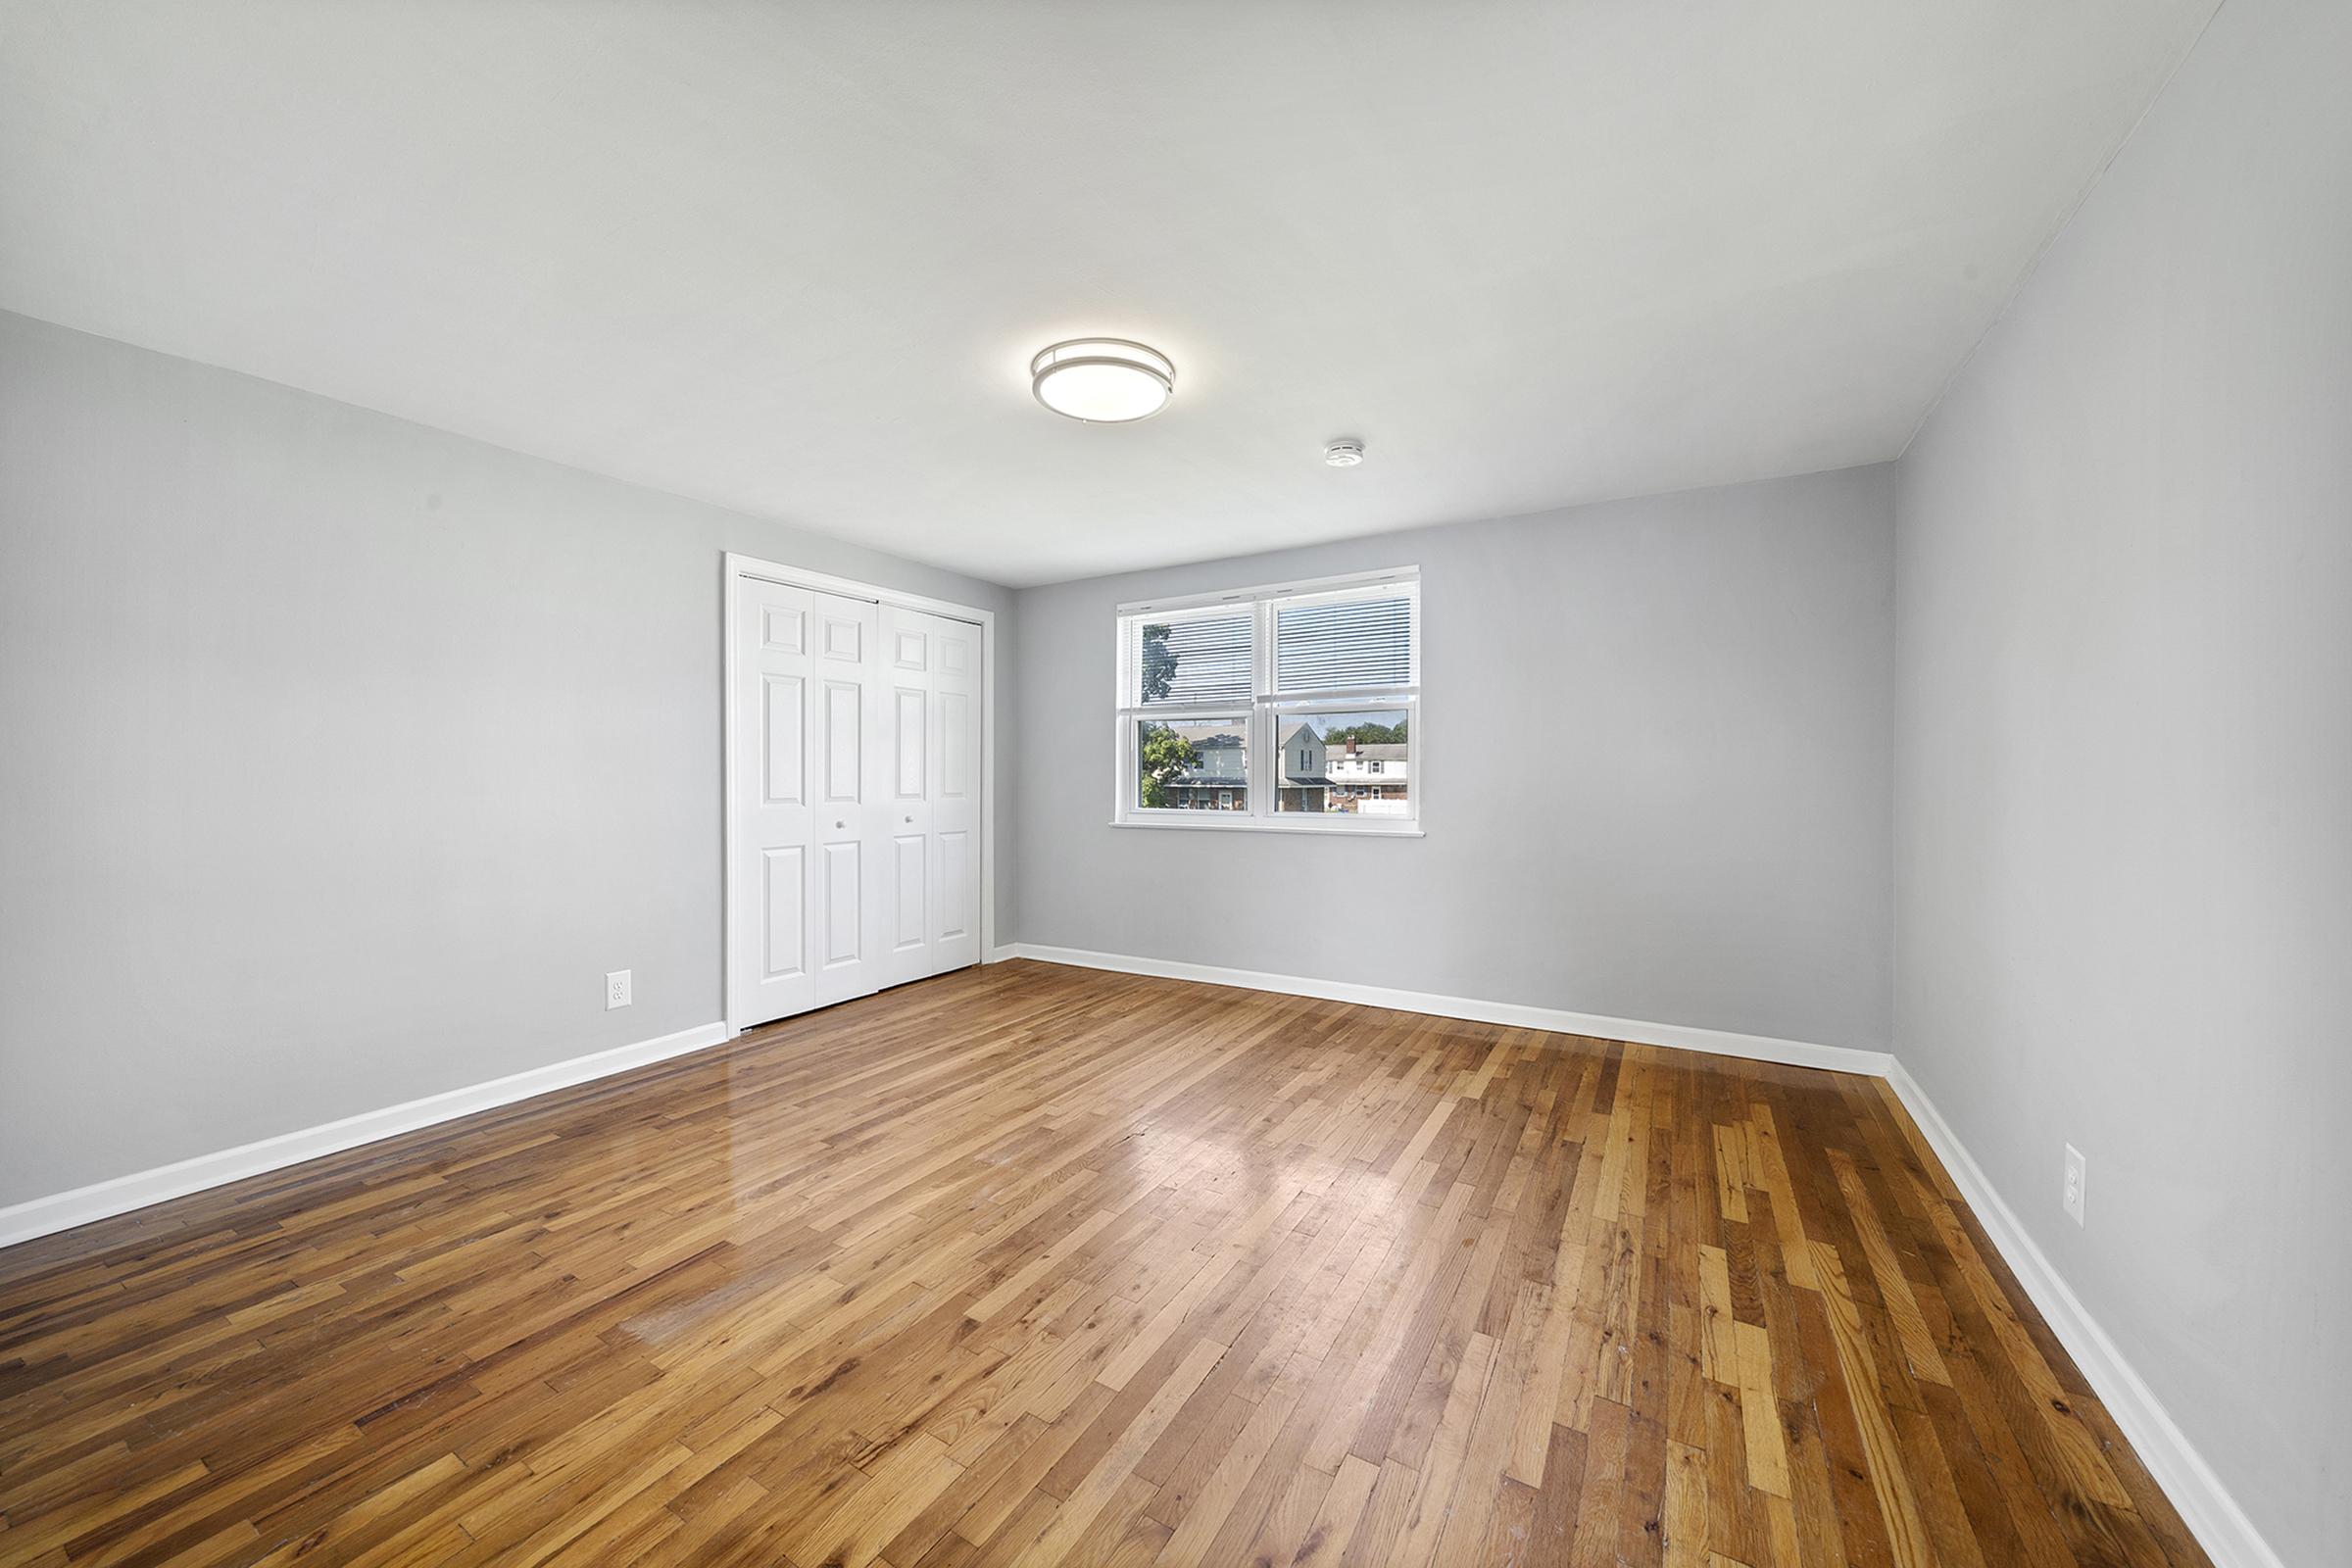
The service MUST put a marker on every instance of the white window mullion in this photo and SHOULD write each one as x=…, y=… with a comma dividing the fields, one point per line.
x=1261, y=681
x=1122, y=771
x=1260, y=803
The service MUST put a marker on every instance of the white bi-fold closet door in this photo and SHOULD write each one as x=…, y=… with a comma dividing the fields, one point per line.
x=856, y=833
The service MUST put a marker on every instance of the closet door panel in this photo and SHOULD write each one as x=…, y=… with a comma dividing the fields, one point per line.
x=955, y=782
x=845, y=748
x=769, y=897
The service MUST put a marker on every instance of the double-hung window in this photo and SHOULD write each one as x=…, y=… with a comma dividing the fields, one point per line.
x=1270, y=708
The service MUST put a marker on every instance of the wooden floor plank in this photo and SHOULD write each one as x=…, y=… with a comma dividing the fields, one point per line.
x=1038, y=1265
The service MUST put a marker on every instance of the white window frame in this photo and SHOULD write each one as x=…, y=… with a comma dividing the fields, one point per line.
x=1263, y=713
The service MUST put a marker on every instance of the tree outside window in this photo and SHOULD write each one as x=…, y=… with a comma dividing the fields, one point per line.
x=1165, y=756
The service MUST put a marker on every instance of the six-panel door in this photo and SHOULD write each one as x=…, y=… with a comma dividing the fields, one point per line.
x=801, y=905
x=845, y=742
x=771, y=885
x=931, y=875
x=955, y=777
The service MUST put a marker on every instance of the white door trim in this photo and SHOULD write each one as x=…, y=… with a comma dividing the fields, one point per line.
x=734, y=566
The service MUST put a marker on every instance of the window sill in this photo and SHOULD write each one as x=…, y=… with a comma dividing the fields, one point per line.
x=1259, y=824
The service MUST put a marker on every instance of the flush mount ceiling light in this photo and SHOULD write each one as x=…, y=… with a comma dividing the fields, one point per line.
x=1103, y=380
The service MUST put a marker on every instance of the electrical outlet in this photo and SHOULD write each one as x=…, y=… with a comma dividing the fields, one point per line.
x=616, y=990
x=2076, y=1172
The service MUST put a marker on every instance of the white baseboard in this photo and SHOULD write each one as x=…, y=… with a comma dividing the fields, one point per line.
x=1754, y=1048
x=1000, y=953
x=2221, y=1527
x=62, y=1212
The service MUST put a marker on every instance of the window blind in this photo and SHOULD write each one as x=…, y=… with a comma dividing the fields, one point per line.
x=1192, y=660
x=1344, y=644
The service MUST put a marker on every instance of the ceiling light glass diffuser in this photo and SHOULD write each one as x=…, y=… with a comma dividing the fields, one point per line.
x=1103, y=380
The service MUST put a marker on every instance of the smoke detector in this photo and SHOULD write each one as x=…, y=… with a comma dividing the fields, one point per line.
x=1344, y=454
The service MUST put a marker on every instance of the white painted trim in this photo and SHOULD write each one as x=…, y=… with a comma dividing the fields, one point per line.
x=824, y=582
x=1270, y=590
x=1243, y=822
x=1000, y=955
x=1753, y=1047
x=62, y=1212
x=2206, y=1506
x=733, y=565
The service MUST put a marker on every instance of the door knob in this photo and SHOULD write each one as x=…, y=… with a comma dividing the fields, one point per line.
x=910, y=819
x=841, y=824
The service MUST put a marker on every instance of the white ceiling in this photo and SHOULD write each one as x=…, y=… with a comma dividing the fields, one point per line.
x=794, y=257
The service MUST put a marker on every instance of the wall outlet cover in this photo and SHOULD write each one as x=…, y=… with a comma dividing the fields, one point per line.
x=616, y=990
x=2076, y=1174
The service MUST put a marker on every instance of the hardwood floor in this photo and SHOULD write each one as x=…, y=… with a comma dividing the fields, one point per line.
x=1031, y=1265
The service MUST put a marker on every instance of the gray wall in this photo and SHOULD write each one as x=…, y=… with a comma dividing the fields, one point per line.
x=1655, y=784
x=339, y=757
x=2125, y=797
